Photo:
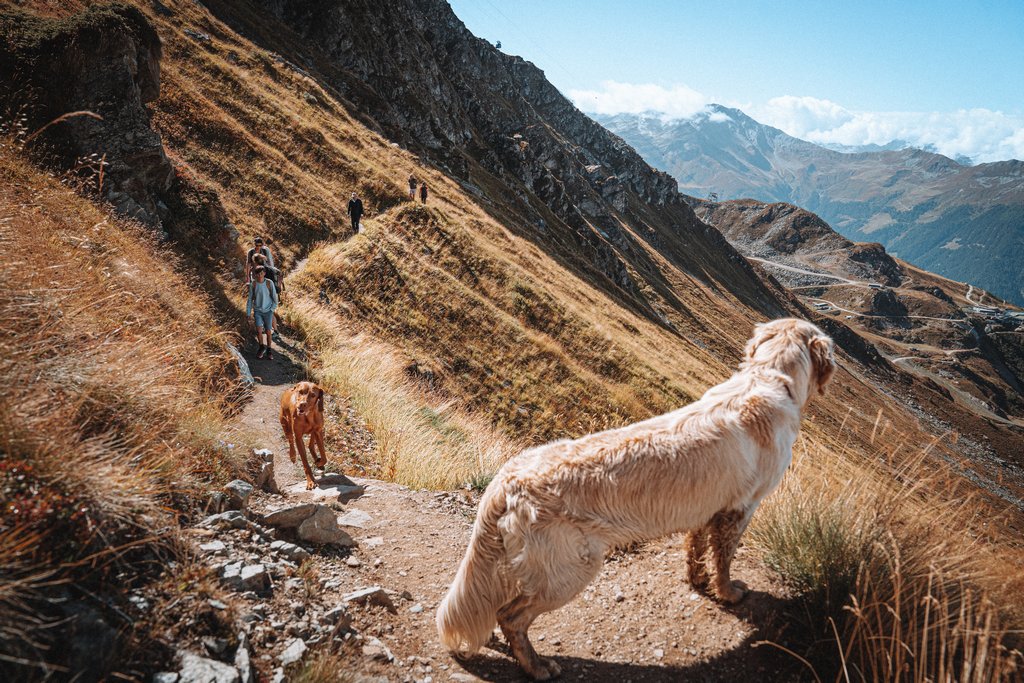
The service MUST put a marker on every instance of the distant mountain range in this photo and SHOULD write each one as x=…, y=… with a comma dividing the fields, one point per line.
x=964, y=222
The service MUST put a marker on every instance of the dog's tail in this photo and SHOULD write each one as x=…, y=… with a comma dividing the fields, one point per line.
x=467, y=614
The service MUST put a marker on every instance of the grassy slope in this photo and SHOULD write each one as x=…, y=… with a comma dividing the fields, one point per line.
x=508, y=331
x=114, y=396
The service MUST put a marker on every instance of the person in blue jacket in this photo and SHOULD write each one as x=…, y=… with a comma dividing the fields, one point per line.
x=260, y=309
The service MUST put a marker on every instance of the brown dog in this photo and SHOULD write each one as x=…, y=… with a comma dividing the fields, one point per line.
x=550, y=515
x=302, y=413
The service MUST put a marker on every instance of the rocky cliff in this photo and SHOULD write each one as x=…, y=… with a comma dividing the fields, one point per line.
x=493, y=121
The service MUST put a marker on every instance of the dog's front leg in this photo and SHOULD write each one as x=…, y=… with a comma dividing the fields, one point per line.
x=726, y=528
x=310, y=482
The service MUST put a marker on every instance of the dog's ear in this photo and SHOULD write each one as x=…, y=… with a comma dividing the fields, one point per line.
x=319, y=396
x=822, y=361
x=762, y=333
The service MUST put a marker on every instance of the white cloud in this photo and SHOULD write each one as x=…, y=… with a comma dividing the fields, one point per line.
x=981, y=134
x=679, y=101
x=719, y=117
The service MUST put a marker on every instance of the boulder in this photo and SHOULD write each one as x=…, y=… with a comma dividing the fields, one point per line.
x=322, y=527
x=231, y=575
x=290, y=517
x=290, y=551
x=254, y=577
x=376, y=650
x=196, y=669
x=355, y=518
x=245, y=377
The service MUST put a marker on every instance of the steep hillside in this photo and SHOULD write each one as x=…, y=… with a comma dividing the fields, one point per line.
x=962, y=222
x=551, y=285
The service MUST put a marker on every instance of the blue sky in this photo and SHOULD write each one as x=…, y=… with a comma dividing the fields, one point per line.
x=949, y=74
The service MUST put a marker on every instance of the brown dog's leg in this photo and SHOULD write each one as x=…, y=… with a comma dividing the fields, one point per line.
x=310, y=482
x=696, y=548
x=726, y=528
x=514, y=619
x=286, y=425
x=318, y=437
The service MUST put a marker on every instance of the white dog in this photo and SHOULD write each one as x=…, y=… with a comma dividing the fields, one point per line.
x=551, y=514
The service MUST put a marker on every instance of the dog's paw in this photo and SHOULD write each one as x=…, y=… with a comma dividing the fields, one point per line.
x=310, y=485
x=698, y=578
x=732, y=592
x=554, y=671
x=321, y=463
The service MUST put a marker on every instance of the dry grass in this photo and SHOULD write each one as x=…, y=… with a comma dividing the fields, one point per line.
x=111, y=400
x=895, y=580
x=421, y=439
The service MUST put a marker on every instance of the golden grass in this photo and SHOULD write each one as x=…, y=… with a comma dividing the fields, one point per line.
x=112, y=380
x=422, y=440
x=895, y=580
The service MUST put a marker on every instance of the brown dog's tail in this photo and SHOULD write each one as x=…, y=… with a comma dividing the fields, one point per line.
x=467, y=615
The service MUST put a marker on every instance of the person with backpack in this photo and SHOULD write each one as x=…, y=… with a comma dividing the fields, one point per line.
x=355, y=210
x=412, y=187
x=273, y=274
x=423, y=192
x=258, y=248
x=259, y=309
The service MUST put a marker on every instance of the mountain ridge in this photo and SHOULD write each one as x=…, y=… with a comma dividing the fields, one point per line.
x=922, y=206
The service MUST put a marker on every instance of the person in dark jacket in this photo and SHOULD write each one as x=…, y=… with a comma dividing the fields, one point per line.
x=412, y=187
x=355, y=211
x=423, y=192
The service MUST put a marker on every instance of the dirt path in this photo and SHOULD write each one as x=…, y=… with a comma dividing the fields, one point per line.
x=639, y=621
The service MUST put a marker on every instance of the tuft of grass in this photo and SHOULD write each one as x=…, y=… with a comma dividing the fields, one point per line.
x=894, y=581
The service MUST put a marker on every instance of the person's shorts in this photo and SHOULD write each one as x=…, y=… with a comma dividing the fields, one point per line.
x=264, y=321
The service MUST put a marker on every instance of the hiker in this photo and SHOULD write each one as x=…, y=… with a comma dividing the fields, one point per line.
x=355, y=210
x=273, y=274
x=423, y=192
x=259, y=309
x=258, y=248
x=412, y=187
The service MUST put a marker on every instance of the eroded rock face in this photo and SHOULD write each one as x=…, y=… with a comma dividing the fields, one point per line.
x=106, y=61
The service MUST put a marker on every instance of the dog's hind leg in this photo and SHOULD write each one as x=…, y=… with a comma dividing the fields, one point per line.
x=696, y=549
x=726, y=528
x=553, y=566
x=318, y=437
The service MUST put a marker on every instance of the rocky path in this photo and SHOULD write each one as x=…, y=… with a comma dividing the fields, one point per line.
x=639, y=621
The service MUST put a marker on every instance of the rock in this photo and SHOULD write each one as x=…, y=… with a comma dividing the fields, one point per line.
x=245, y=377
x=243, y=660
x=216, y=604
x=416, y=609
x=197, y=35
x=255, y=577
x=354, y=518
x=232, y=519
x=375, y=649
x=165, y=677
x=322, y=527
x=214, y=547
x=290, y=517
x=338, y=617
x=293, y=652
x=375, y=595
x=372, y=542
x=265, y=480
x=215, y=646
x=238, y=493
x=333, y=487
x=278, y=676
x=196, y=669
x=353, y=561
x=231, y=575
x=290, y=550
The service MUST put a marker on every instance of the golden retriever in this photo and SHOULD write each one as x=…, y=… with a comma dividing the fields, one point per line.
x=551, y=513
x=302, y=413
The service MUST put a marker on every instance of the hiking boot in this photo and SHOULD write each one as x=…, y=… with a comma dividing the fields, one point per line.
x=270, y=355
x=261, y=354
